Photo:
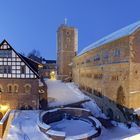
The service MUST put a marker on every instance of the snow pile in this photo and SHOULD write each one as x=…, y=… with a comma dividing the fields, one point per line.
x=95, y=110
x=24, y=127
x=62, y=93
x=137, y=111
x=126, y=31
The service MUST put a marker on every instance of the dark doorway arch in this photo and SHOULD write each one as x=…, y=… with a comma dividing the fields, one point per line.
x=120, y=96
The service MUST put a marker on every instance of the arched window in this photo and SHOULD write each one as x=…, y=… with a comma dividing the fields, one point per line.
x=16, y=87
x=120, y=96
x=1, y=89
x=9, y=88
x=27, y=88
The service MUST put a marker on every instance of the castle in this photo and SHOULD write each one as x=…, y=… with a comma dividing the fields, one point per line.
x=109, y=71
x=66, y=50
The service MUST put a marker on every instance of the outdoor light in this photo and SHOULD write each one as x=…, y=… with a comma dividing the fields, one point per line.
x=40, y=66
x=4, y=108
x=52, y=74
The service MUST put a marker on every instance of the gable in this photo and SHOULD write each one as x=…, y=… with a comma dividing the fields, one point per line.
x=12, y=65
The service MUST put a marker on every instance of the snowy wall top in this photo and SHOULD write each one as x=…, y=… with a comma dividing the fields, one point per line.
x=126, y=31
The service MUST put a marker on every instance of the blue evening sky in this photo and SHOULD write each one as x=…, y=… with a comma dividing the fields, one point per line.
x=32, y=24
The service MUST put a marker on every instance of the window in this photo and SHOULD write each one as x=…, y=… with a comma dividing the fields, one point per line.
x=8, y=69
x=114, y=78
x=16, y=87
x=9, y=88
x=5, y=53
x=88, y=75
x=116, y=52
x=105, y=55
x=97, y=57
x=1, y=89
x=98, y=76
x=1, y=69
x=27, y=88
x=22, y=69
x=5, y=69
x=88, y=61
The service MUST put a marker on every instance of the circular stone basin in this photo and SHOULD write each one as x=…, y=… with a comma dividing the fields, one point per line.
x=72, y=127
x=69, y=123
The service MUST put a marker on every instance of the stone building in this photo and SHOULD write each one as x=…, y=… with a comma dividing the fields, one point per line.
x=49, y=69
x=109, y=71
x=18, y=79
x=66, y=50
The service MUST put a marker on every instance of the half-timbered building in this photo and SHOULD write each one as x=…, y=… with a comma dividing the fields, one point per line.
x=18, y=79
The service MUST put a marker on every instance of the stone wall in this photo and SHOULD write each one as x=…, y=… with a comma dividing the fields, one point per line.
x=66, y=50
x=104, y=73
x=20, y=98
x=58, y=114
x=134, y=94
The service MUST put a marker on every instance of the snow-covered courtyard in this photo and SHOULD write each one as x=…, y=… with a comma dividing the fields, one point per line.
x=60, y=93
x=24, y=125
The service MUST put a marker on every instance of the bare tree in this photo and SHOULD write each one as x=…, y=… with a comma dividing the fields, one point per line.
x=35, y=55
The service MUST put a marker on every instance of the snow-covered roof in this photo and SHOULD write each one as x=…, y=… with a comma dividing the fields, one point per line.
x=126, y=31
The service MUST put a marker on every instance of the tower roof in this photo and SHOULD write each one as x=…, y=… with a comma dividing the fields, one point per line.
x=126, y=31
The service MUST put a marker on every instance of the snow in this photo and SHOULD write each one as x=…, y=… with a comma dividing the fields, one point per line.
x=43, y=125
x=98, y=124
x=24, y=126
x=126, y=31
x=82, y=136
x=120, y=132
x=95, y=110
x=72, y=127
x=62, y=93
x=137, y=111
x=56, y=133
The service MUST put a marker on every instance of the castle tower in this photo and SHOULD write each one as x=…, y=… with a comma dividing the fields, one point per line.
x=66, y=50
